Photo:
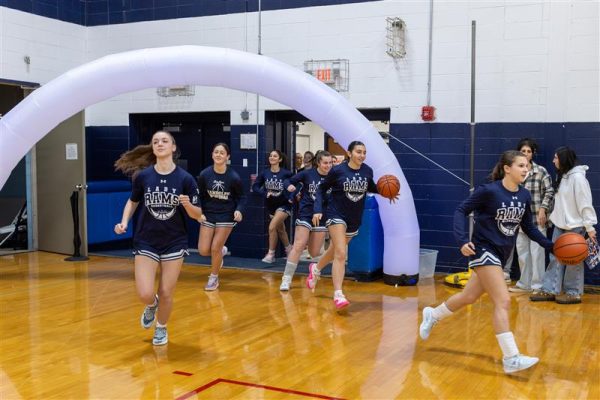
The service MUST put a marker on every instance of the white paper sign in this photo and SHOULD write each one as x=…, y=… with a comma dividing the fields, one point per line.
x=71, y=151
x=248, y=141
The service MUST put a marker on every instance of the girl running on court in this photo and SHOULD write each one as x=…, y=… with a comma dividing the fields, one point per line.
x=349, y=183
x=308, y=182
x=160, y=236
x=269, y=183
x=221, y=200
x=500, y=207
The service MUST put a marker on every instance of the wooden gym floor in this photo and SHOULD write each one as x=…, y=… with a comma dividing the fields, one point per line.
x=71, y=330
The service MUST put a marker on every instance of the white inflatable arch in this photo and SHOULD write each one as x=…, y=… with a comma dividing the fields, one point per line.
x=126, y=72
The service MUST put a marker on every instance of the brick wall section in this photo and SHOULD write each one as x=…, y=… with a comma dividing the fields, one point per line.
x=437, y=193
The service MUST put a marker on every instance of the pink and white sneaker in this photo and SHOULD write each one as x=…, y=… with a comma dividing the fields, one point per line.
x=313, y=276
x=340, y=302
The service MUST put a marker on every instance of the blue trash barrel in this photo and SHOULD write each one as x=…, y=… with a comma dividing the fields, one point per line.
x=365, y=251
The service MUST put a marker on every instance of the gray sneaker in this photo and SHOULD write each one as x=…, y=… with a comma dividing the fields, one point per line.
x=149, y=314
x=518, y=363
x=428, y=323
x=161, y=337
x=213, y=283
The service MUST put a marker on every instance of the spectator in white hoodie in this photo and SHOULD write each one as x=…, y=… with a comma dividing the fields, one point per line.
x=573, y=212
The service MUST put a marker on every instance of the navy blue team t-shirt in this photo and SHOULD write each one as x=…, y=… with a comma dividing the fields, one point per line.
x=272, y=182
x=221, y=193
x=310, y=179
x=348, y=190
x=161, y=221
x=498, y=214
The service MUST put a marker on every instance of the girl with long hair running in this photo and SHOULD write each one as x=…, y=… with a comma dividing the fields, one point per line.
x=222, y=202
x=269, y=183
x=307, y=182
x=349, y=183
x=500, y=207
x=160, y=237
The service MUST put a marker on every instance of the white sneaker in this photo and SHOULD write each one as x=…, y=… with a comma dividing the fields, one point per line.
x=518, y=363
x=428, y=323
x=286, y=283
x=212, y=284
x=269, y=258
x=224, y=251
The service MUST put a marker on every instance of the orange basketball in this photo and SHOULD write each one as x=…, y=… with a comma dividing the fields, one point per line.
x=388, y=186
x=570, y=248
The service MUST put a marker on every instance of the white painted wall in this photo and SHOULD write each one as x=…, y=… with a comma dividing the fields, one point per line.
x=537, y=61
x=53, y=46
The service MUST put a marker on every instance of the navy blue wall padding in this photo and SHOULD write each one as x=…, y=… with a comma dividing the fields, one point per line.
x=110, y=12
x=105, y=202
x=437, y=193
x=365, y=251
x=108, y=186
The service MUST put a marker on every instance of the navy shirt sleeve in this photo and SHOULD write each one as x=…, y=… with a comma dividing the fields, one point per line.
x=137, y=189
x=201, y=188
x=323, y=188
x=190, y=188
x=237, y=192
x=372, y=188
x=259, y=184
x=473, y=202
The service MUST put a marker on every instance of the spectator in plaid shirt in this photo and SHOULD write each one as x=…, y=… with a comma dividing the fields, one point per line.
x=532, y=257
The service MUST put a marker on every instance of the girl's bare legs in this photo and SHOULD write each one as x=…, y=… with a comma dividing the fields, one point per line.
x=301, y=238
x=282, y=232
x=205, y=240
x=489, y=279
x=168, y=280
x=216, y=249
x=469, y=295
x=277, y=231
x=315, y=243
x=145, y=275
x=337, y=234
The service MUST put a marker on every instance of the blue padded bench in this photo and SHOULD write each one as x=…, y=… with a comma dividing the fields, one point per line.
x=105, y=202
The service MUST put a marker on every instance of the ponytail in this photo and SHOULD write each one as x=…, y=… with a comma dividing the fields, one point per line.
x=506, y=159
x=135, y=160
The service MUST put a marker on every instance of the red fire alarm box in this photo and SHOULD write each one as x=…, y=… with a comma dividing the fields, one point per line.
x=428, y=113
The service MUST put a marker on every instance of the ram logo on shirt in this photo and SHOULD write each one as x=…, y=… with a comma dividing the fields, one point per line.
x=161, y=204
x=355, y=188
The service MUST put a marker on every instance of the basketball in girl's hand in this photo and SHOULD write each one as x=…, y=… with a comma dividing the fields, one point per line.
x=388, y=186
x=570, y=248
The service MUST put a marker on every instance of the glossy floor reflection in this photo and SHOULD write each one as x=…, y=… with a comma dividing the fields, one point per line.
x=71, y=330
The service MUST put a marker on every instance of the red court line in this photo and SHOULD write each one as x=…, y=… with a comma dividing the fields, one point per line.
x=276, y=389
x=182, y=373
x=198, y=390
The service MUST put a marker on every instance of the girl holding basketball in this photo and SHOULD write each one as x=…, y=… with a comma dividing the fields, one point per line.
x=308, y=180
x=500, y=207
x=160, y=237
x=573, y=212
x=222, y=201
x=269, y=183
x=349, y=183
